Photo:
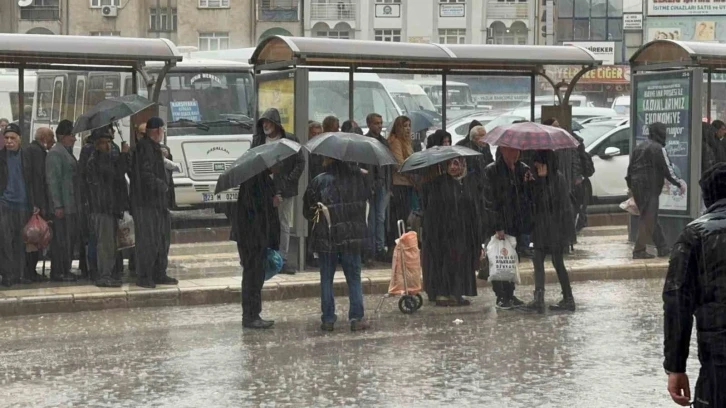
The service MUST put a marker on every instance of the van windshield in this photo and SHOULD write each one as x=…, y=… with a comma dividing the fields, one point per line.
x=207, y=97
x=331, y=98
x=423, y=102
x=455, y=95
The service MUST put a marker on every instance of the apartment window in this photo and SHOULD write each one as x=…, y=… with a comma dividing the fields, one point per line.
x=160, y=21
x=452, y=36
x=277, y=10
x=106, y=33
x=41, y=10
x=590, y=20
x=388, y=35
x=452, y=1
x=516, y=34
x=388, y=1
x=101, y=3
x=213, y=3
x=213, y=41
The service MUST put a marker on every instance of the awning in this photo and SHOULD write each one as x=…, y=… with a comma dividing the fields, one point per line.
x=708, y=55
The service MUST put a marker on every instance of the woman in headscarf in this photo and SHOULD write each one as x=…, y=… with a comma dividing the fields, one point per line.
x=452, y=237
x=552, y=229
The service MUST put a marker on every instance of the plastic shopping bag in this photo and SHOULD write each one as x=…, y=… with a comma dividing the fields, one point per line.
x=406, y=259
x=36, y=232
x=503, y=259
x=125, y=237
x=273, y=263
x=629, y=206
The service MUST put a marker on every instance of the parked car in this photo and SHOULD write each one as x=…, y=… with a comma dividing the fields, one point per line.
x=459, y=128
x=620, y=120
x=621, y=104
x=575, y=100
x=609, y=145
x=578, y=113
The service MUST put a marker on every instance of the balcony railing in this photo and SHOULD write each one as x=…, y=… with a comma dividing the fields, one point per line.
x=277, y=10
x=40, y=13
x=333, y=12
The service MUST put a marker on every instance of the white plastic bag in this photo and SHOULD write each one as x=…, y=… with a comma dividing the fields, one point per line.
x=125, y=237
x=503, y=259
x=629, y=206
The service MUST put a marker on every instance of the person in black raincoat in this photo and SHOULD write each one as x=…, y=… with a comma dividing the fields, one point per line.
x=507, y=203
x=552, y=228
x=453, y=239
x=696, y=285
x=36, y=154
x=649, y=167
x=270, y=129
x=336, y=203
x=256, y=213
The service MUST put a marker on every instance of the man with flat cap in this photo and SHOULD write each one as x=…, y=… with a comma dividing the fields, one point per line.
x=150, y=192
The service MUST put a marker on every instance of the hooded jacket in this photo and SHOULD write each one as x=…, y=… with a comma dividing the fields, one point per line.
x=696, y=286
x=286, y=181
x=340, y=225
x=649, y=166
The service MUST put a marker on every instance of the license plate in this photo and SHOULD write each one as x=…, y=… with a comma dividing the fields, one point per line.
x=221, y=197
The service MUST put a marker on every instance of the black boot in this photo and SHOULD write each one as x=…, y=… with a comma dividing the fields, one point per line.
x=538, y=304
x=566, y=304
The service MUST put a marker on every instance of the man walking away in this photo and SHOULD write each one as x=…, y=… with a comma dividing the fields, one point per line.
x=696, y=285
x=16, y=202
x=36, y=154
x=270, y=130
x=150, y=204
x=61, y=171
x=381, y=192
x=107, y=200
x=336, y=202
x=507, y=203
x=649, y=167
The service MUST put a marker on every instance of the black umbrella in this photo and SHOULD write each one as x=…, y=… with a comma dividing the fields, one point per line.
x=351, y=147
x=254, y=161
x=110, y=110
x=435, y=155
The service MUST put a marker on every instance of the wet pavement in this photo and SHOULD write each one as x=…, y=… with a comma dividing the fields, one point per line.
x=607, y=354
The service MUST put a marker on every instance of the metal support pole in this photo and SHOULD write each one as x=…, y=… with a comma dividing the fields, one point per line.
x=708, y=97
x=21, y=103
x=532, y=84
x=443, y=99
x=351, y=89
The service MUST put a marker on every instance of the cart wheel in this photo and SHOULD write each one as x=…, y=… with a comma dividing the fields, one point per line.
x=407, y=304
x=419, y=301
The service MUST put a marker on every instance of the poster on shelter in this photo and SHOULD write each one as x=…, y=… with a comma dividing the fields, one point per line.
x=666, y=98
x=278, y=93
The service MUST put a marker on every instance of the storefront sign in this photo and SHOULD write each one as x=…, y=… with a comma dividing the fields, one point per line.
x=452, y=10
x=388, y=10
x=632, y=22
x=604, y=51
x=604, y=74
x=666, y=98
x=686, y=7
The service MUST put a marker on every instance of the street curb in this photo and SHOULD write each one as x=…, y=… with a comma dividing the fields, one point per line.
x=210, y=295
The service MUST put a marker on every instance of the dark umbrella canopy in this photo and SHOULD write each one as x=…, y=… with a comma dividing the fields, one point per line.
x=435, y=155
x=531, y=136
x=350, y=147
x=254, y=161
x=109, y=111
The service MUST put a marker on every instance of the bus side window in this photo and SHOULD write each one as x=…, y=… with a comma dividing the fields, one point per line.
x=45, y=96
x=80, y=97
x=56, y=109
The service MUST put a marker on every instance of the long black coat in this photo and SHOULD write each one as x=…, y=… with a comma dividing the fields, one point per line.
x=106, y=184
x=452, y=237
x=553, y=220
x=149, y=183
x=343, y=190
x=257, y=219
x=35, y=154
x=696, y=286
x=507, y=199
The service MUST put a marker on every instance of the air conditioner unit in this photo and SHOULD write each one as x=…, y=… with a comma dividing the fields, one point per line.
x=109, y=11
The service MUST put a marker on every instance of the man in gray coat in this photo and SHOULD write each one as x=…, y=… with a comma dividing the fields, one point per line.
x=61, y=174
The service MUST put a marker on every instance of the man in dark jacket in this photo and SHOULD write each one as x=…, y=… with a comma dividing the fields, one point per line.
x=475, y=140
x=649, y=167
x=315, y=167
x=336, y=202
x=507, y=204
x=381, y=192
x=269, y=130
x=257, y=213
x=696, y=285
x=36, y=154
x=150, y=207
x=107, y=200
x=17, y=200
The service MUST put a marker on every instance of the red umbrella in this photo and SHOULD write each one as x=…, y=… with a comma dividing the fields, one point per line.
x=531, y=136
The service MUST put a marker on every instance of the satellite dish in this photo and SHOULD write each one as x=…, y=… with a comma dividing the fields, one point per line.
x=24, y=3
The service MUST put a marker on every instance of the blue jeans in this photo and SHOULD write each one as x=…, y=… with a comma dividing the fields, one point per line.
x=377, y=219
x=351, y=268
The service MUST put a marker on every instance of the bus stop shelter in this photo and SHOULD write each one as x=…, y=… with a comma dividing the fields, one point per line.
x=63, y=52
x=283, y=64
x=672, y=85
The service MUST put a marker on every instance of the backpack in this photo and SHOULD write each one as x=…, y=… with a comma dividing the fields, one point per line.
x=588, y=167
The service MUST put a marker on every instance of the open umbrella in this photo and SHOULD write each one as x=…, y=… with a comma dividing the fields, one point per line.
x=435, y=155
x=110, y=110
x=531, y=136
x=254, y=161
x=351, y=147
